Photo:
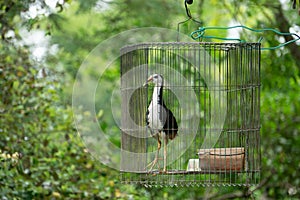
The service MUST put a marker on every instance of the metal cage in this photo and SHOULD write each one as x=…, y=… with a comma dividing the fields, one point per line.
x=213, y=90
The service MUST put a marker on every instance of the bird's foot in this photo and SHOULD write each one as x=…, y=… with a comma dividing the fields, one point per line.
x=153, y=163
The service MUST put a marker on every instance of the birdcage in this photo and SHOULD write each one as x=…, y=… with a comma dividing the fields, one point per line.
x=213, y=91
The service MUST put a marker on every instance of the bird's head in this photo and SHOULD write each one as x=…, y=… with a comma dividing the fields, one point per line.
x=157, y=79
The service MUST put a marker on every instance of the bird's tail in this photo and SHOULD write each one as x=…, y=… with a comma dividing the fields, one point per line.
x=172, y=135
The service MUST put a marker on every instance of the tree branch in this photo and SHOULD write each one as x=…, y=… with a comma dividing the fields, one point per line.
x=233, y=195
x=246, y=193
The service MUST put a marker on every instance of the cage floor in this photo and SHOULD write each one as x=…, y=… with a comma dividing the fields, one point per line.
x=173, y=172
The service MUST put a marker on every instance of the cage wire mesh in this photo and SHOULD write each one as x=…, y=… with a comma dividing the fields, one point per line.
x=213, y=90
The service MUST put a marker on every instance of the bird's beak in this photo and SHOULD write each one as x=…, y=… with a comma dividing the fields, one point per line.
x=149, y=80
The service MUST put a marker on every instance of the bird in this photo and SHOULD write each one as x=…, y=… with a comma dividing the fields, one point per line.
x=160, y=120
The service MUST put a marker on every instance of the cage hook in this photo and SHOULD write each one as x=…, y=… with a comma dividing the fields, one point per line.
x=188, y=13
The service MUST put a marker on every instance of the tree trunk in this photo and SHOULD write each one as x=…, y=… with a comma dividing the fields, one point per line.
x=284, y=25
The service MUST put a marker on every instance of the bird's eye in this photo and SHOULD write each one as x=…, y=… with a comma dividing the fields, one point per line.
x=155, y=76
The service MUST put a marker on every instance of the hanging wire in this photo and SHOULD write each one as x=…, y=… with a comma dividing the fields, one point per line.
x=200, y=34
x=188, y=13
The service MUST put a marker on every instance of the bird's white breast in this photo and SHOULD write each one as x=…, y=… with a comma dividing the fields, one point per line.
x=153, y=117
x=156, y=112
x=155, y=122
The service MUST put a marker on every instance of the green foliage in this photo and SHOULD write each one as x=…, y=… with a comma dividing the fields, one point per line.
x=41, y=155
x=281, y=136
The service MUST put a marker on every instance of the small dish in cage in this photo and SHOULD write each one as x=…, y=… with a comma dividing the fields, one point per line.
x=222, y=159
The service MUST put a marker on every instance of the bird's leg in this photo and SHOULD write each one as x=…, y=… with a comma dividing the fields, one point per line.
x=155, y=161
x=165, y=152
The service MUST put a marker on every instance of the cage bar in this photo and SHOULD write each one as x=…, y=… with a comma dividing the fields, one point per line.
x=213, y=90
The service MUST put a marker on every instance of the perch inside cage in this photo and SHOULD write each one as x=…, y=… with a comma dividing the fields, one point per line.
x=212, y=91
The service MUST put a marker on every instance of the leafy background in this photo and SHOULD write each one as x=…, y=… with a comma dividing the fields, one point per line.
x=41, y=155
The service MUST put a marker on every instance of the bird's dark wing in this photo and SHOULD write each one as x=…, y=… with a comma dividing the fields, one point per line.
x=170, y=127
x=147, y=121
